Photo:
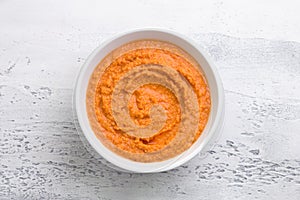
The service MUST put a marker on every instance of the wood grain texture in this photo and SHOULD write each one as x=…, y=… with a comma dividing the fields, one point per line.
x=42, y=156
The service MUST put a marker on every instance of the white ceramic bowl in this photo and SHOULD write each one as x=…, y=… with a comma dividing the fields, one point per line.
x=211, y=130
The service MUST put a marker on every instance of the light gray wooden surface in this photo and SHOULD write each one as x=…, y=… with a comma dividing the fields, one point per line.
x=42, y=47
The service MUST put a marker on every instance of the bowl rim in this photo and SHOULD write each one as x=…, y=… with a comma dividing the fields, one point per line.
x=216, y=123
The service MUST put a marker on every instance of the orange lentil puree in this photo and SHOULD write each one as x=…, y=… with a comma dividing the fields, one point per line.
x=154, y=80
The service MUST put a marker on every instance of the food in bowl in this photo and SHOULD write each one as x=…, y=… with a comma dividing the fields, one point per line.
x=148, y=101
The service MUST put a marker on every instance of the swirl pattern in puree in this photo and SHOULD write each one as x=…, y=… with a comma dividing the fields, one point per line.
x=148, y=101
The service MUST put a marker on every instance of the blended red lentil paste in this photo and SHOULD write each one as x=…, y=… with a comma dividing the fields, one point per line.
x=148, y=101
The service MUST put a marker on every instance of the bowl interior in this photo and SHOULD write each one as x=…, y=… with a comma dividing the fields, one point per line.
x=206, y=66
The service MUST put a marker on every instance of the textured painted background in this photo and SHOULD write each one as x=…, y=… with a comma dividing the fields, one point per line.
x=255, y=47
